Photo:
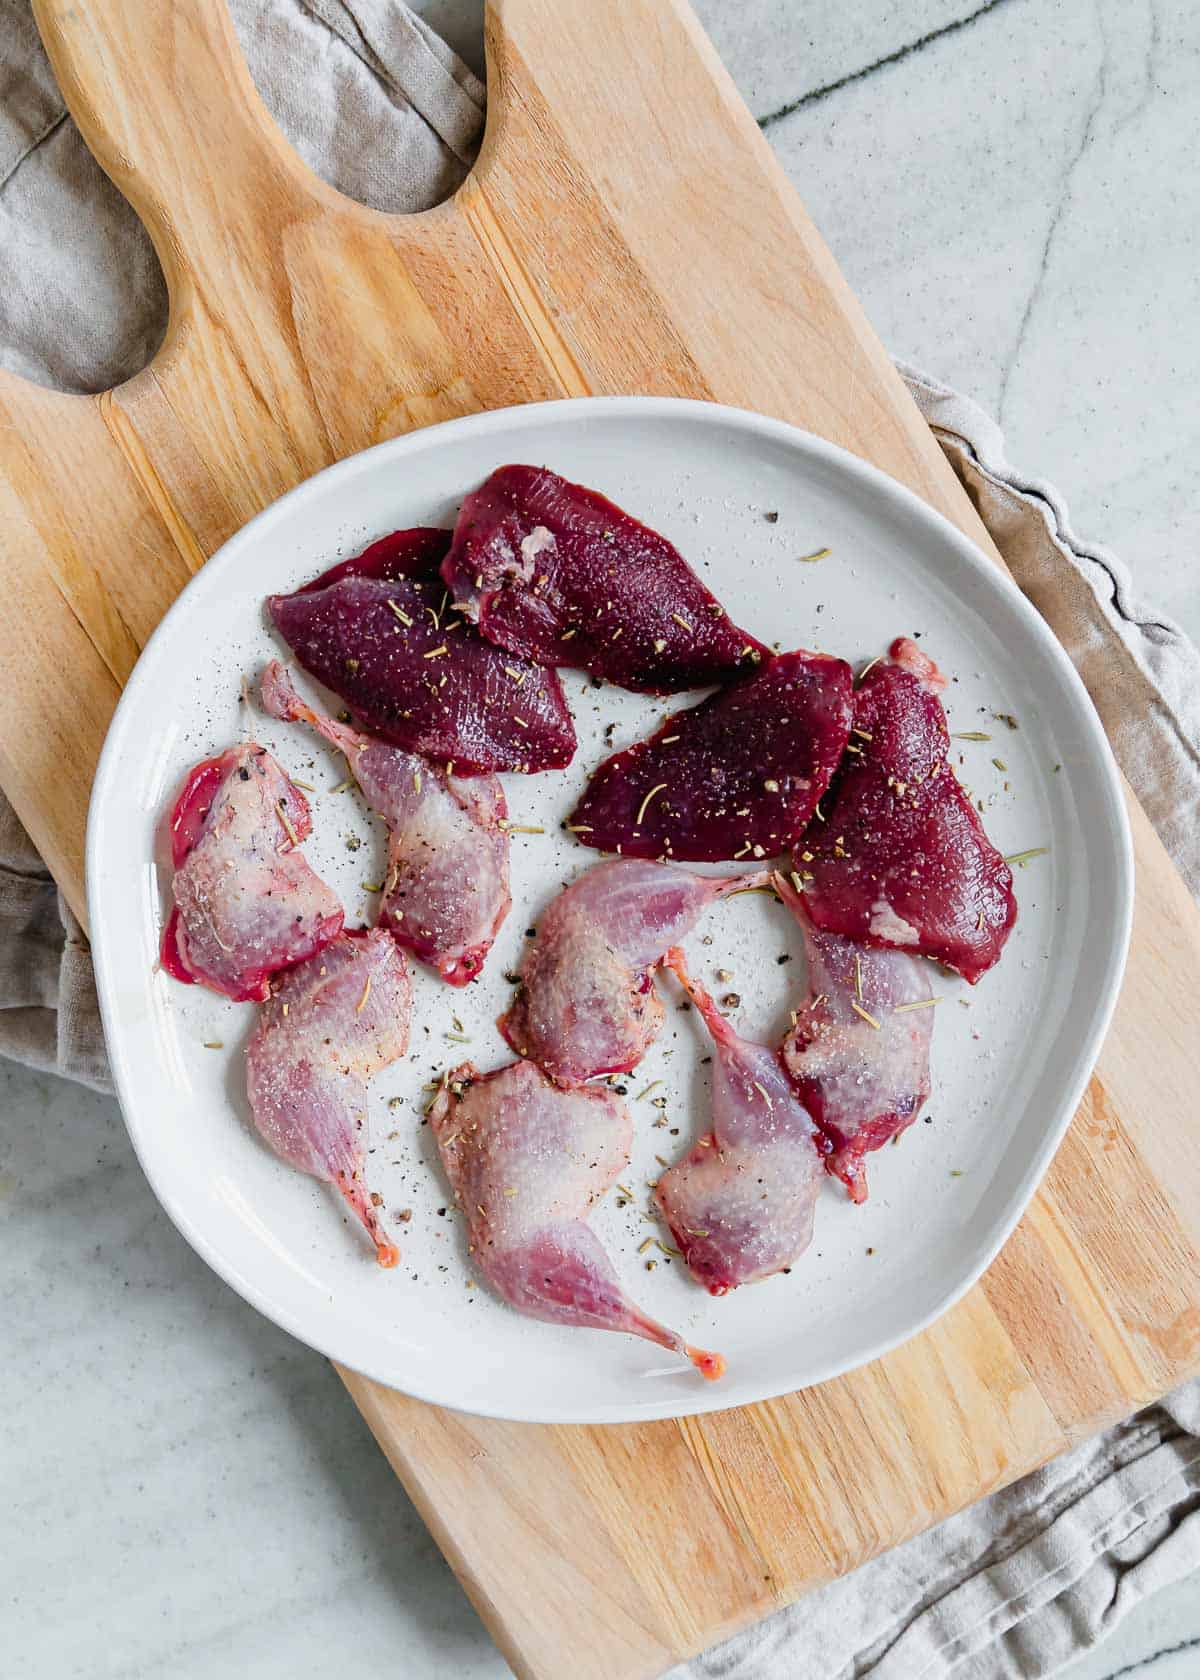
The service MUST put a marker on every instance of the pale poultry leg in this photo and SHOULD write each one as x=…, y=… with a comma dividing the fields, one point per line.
x=858, y=1049
x=587, y=1003
x=527, y=1161
x=445, y=892
x=741, y=1203
x=329, y=1025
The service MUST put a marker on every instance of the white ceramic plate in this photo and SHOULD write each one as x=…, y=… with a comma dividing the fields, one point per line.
x=1011, y=1056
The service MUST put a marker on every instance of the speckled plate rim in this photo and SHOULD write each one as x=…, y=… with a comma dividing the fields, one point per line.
x=339, y=479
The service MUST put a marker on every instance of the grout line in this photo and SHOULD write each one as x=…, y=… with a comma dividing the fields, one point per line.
x=897, y=57
x=1143, y=1663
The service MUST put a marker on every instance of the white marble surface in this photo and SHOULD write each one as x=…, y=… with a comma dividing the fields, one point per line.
x=185, y=1487
x=1014, y=206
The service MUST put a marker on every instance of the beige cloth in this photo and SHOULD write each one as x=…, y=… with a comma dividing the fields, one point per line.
x=49, y=1017
x=1019, y=1584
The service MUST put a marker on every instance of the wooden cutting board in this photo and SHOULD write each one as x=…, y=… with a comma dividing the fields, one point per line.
x=626, y=229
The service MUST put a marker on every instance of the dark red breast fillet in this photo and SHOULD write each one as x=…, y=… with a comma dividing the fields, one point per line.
x=380, y=632
x=902, y=859
x=557, y=573
x=737, y=776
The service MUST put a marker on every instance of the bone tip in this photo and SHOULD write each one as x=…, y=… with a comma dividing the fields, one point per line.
x=711, y=1366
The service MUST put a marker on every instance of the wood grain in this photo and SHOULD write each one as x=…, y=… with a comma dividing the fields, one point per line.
x=626, y=229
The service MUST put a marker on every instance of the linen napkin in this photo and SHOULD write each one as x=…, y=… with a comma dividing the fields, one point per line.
x=1022, y=1582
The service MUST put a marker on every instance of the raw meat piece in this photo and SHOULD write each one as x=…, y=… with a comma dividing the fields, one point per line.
x=587, y=1003
x=741, y=1204
x=445, y=892
x=380, y=632
x=862, y=1072
x=737, y=776
x=556, y=572
x=327, y=1027
x=415, y=553
x=902, y=859
x=247, y=902
x=527, y=1162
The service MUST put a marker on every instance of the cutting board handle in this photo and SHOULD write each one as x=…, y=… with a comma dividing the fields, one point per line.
x=162, y=95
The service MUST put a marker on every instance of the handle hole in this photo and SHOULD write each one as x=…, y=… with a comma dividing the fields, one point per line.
x=381, y=110
x=375, y=103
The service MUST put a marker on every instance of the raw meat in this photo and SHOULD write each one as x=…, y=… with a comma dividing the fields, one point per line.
x=445, y=892
x=556, y=572
x=858, y=1052
x=327, y=1027
x=247, y=902
x=379, y=631
x=741, y=1204
x=737, y=776
x=902, y=859
x=414, y=553
x=587, y=1003
x=527, y=1162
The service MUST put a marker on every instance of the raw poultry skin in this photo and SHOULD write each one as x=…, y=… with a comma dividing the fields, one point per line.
x=587, y=1003
x=901, y=859
x=741, y=1203
x=379, y=630
x=557, y=573
x=247, y=902
x=326, y=1028
x=527, y=1162
x=858, y=1052
x=446, y=891
x=737, y=776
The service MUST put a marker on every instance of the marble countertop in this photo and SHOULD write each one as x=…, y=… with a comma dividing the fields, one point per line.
x=1001, y=183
